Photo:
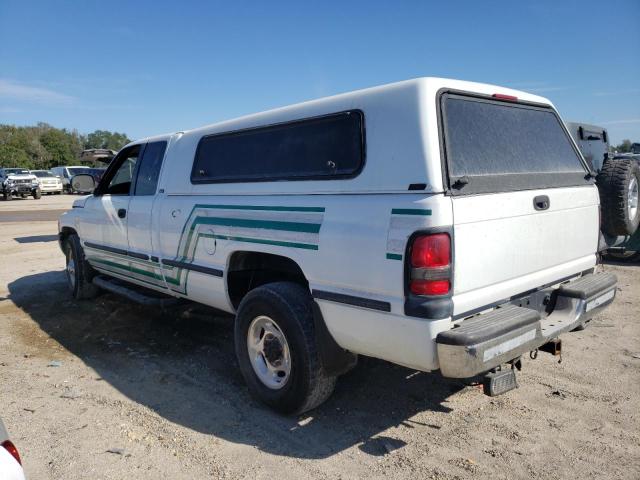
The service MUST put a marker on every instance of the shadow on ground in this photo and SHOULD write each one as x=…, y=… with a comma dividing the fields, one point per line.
x=36, y=239
x=621, y=263
x=182, y=366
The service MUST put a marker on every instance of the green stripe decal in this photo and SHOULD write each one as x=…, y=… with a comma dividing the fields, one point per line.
x=410, y=211
x=115, y=271
x=394, y=256
x=266, y=224
x=248, y=223
x=263, y=207
x=190, y=234
x=131, y=269
x=278, y=243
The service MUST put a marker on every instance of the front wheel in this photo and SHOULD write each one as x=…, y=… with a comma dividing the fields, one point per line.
x=275, y=342
x=37, y=194
x=78, y=270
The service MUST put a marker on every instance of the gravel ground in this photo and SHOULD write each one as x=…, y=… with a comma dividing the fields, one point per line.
x=109, y=390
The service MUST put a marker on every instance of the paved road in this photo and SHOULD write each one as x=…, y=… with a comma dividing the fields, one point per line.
x=30, y=216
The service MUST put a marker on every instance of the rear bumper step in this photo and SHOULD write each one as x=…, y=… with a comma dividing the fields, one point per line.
x=487, y=340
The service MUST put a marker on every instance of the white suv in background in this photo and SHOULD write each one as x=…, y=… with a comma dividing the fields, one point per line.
x=49, y=183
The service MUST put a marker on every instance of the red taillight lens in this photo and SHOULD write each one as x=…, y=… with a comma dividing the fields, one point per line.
x=11, y=448
x=430, y=287
x=502, y=96
x=431, y=251
x=431, y=265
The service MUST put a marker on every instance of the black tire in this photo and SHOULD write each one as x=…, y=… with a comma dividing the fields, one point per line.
x=7, y=196
x=290, y=306
x=37, y=194
x=613, y=181
x=79, y=275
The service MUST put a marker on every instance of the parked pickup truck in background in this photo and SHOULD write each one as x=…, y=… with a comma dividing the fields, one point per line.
x=438, y=224
x=18, y=182
x=618, y=181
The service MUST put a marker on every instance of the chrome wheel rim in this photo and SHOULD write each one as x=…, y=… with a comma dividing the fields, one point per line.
x=633, y=198
x=71, y=270
x=269, y=352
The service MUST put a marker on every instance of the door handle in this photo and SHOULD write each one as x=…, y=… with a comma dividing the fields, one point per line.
x=122, y=213
x=541, y=202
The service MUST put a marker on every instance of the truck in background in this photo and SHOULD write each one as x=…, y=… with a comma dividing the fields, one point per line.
x=618, y=181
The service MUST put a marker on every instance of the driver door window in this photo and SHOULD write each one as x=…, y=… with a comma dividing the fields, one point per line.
x=120, y=182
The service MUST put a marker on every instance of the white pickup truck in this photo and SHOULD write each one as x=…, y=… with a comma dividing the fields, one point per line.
x=437, y=224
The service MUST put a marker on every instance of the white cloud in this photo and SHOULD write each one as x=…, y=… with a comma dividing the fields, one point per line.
x=627, y=121
x=21, y=92
x=630, y=91
x=546, y=89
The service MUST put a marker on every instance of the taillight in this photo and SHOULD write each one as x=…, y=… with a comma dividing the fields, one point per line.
x=431, y=265
x=502, y=96
x=11, y=448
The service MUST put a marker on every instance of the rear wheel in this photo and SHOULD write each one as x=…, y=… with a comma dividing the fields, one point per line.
x=275, y=342
x=618, y=184
x=79, y=272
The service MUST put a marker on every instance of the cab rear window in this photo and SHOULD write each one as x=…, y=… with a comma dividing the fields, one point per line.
x=496, y=146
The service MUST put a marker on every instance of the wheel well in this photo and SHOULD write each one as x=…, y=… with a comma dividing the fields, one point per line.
x=63, y=235
x=248, y=270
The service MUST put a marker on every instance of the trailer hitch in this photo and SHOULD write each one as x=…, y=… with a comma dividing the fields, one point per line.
x=554, y=347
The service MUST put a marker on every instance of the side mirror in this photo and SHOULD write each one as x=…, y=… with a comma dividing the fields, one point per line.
x=83, y=183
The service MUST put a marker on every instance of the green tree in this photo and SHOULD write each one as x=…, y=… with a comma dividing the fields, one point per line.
x=42, y=146
x=105, y=139
x=624, y=147
x=60, y=146
x=14, y=157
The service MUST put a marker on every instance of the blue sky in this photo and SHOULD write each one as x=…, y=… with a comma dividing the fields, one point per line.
x=152, y=67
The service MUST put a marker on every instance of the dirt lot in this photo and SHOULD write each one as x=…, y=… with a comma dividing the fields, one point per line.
x=110, y=390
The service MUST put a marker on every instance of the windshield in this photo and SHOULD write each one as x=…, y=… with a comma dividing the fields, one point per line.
x=16, y=171
x=76, y=171
x=42, y=173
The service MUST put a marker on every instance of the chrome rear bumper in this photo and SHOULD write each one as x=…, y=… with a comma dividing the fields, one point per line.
x=487, y=340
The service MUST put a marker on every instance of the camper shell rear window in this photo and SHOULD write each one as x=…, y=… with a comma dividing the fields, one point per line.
x=496, y=146
x=320, y=148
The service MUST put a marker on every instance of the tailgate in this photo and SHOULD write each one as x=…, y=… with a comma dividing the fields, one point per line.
x=504, y=247
x=525, y=209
